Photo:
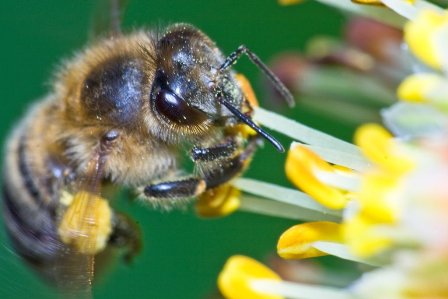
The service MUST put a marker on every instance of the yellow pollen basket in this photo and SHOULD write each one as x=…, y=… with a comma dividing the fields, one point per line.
x=86, y=224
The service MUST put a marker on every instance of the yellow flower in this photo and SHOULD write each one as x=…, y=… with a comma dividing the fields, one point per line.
x=393, y=203
x=370, y=206
x=378, y=201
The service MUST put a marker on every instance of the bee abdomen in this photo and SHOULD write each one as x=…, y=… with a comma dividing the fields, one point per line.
x=28, y=211
x=32, y=231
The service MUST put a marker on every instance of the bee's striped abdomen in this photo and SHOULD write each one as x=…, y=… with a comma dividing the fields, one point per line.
x=28, y=213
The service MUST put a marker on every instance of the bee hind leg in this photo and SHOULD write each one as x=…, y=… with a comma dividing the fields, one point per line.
x=126, y=234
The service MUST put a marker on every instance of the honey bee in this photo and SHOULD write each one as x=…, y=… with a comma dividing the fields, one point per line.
x=122, y=112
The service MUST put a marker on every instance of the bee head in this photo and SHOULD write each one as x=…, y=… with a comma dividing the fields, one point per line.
x=186, y=80
x=192, y=91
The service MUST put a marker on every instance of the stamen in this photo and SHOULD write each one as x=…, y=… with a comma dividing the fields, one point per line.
x=337, y=157
x=441, y=47
x=297, y=290
x=377, y=13
x=263, y=206
x=303, y=133
x=404, y=8
x=300, y=167
x=341, y=251
x=339, y=179
x=298, y=241
x=283, y=195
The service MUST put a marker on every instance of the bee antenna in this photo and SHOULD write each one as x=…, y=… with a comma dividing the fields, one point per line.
x=245, y=119
x=276, y=83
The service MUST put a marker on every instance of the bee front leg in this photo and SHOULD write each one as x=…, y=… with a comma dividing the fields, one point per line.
x=183, y=188
x=218, y=165
x=218, y=172
x=220, y=151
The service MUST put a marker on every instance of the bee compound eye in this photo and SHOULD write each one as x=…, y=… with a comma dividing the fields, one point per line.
x=176, y=109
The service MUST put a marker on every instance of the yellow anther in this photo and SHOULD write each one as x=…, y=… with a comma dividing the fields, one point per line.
x=369, y=2
x=235, y=279
x=218, y=202
x=420, y=33
x=364, y=237
x=300, y=166
x=378, y=145
x=415, y=88
x=297, y=241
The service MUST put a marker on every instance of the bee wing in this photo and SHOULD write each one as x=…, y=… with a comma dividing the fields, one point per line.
x=73, y=274
x=85, y=227
x=106, y=18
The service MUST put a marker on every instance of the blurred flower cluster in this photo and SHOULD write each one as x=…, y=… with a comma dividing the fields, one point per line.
x=382, y=201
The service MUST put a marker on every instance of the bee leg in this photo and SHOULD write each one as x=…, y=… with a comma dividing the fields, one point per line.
x=220, y=173
x=213, y=175
x=184, y=188
x=219, y=151
x=126, y=233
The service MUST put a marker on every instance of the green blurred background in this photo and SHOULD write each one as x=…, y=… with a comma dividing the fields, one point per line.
x=182, y=254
